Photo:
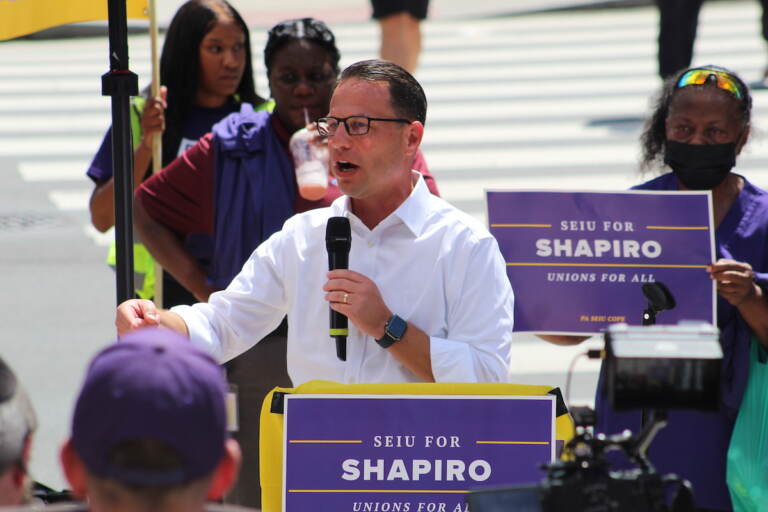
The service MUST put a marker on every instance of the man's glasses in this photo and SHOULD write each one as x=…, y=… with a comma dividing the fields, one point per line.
x=355, y=125
x=702, y=76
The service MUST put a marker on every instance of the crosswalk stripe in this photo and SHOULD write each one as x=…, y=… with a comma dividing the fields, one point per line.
x=511, y=134
x=53, y=122
x=70, y=200
x=58, y=170
x=26, y=86
x=541, y=357
x=523, y=158
x=36, y=103
x=97, y=237
x=518, y=90
x=475, y=189
x=78, y=69
x=60, y=145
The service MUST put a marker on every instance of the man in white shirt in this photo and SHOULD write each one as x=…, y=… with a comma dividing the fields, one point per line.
x=426, y=292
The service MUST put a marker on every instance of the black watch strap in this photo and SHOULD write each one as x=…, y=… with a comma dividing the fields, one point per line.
x=394, y=330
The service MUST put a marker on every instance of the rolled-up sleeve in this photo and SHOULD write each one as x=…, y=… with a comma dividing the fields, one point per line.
x=480, y=320
x=200, y=330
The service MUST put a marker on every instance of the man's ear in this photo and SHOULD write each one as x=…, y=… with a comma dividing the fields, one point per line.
x=74, y=470
x=26, y=450
x=414, y=132
x=20, y=472
x=225, y=474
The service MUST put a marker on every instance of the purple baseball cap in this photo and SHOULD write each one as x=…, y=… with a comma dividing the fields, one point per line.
x=152, y=385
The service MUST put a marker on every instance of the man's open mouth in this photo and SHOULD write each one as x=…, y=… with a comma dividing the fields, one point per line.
x=344, y=166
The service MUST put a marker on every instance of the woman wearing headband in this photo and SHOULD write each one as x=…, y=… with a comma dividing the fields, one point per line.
x=699, y=126
x=700, y=123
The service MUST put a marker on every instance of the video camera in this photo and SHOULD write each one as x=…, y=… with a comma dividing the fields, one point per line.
x=650, y=367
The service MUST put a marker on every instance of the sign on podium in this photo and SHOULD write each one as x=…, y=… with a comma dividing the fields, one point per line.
x=404, y=447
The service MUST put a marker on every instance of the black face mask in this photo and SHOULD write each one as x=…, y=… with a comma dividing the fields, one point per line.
x=700, y=167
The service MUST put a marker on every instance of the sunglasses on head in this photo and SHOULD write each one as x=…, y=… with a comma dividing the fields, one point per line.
x=721, y=79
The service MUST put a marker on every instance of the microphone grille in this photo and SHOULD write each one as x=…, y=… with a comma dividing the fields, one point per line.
x=338, y=235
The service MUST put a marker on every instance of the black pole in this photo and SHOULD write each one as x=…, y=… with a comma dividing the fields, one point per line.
x=120, y=83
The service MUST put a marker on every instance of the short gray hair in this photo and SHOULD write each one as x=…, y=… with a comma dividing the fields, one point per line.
x=17, y=418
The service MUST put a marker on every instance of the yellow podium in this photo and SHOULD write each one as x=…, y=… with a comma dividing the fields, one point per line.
x=272, y=425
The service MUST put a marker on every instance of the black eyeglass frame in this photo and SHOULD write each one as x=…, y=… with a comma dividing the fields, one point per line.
x=340, y=120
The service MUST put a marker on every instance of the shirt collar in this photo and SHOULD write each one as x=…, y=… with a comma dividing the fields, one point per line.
x=413, y=212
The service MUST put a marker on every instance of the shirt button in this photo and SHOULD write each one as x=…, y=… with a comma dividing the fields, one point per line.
x=371, y=244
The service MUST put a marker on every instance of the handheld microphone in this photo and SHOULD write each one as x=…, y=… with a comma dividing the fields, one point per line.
x=338, y=240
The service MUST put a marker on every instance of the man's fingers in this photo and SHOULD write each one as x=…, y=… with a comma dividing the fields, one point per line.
x=138, y=323
x=346, y=274
x=152, y=318
x=146, y=309
x=732, y=275
x=343, y=284
x=337, y=296
x=337, y=285
x=134, y=314
x=722, y=265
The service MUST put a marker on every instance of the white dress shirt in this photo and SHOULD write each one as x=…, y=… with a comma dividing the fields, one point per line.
x=435, y=266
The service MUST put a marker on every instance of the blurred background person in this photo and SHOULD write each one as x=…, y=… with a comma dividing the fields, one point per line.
x=206, y=74
x=678, y=22
x=149, y=430
x=17, y=426
x=400, y=25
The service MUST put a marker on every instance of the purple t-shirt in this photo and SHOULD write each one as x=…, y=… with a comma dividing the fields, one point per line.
x=694, y=444
x=199, y=122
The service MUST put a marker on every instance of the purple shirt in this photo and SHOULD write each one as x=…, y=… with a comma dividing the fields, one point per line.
x=694, y=444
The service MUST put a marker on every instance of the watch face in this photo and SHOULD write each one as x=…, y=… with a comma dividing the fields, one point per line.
x=393, y=331
x=396, y=327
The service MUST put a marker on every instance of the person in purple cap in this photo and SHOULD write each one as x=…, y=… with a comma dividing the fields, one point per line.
x=149, y=431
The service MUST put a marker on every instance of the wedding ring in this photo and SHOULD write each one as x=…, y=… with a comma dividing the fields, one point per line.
x=346, y=298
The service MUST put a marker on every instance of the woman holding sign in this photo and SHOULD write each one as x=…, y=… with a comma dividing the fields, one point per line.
x=699, y=126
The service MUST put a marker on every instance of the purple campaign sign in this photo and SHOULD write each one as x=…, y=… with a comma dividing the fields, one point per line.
x=577, y=261
x=351, y=453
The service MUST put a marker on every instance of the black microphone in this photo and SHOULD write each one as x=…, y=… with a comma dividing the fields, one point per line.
x=338, y=240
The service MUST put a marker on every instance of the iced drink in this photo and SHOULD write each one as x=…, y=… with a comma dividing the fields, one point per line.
x=311, y=165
